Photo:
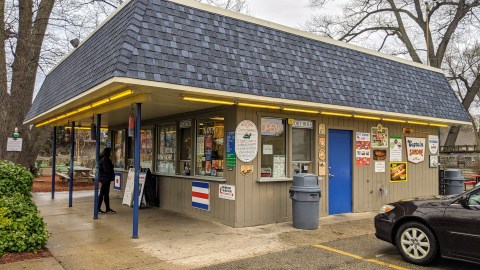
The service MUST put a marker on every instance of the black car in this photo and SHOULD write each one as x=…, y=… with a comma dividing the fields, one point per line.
x=424, y=228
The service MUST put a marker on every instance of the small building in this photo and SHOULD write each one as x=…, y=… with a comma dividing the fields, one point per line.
x=232, y=107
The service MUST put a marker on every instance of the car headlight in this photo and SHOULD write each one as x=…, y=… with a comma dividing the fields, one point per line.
x=386, y=208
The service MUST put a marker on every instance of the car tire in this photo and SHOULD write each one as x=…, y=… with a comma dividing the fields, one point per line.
x=416, y=243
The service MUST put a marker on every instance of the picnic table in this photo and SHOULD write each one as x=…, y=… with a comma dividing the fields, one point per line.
x=79, y=174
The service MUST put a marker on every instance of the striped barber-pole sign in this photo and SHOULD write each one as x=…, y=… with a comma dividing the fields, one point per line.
x=201, y=195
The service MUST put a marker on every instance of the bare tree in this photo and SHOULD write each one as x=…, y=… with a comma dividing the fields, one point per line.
x=421, y=31
x=233, y=5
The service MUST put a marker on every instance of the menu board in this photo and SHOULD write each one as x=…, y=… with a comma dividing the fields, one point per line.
x=278, y=166
x=362, y=149
x=246, y=141
x=231, y=156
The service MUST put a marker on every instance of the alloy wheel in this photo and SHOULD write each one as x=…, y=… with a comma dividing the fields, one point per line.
x=415, y=243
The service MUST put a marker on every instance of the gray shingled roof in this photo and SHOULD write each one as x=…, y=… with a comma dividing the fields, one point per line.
x=168, y=42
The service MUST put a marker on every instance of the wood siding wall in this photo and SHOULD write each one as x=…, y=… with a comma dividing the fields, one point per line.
x=269, y=202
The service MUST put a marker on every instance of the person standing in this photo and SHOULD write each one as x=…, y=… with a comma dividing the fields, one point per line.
x=106, y=175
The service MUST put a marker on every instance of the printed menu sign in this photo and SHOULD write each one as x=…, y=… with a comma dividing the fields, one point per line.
x=362, y=149
x=246, y=141
x=415, y=149
x=278, y=166
x=395, y=148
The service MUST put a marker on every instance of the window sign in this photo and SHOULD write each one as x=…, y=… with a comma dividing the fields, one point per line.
x=246, y=141
x=185, y=123
x=273, y=147
x=303, y=124
x=210, y=148
x=278, y=166
x=272, y=127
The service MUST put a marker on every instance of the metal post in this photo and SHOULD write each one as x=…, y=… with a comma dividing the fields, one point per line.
x=97, y=170
x=54, y=160
x=72, y=156
x=136, y=162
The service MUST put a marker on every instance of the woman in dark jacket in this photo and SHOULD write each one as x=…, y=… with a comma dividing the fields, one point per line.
x=105, y=175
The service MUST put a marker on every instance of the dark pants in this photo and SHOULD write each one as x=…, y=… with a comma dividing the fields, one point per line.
x=104, y=195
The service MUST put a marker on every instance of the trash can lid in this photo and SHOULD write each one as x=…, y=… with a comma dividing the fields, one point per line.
x=305, y=179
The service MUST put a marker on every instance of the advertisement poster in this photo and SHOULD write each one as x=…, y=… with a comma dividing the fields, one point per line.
x=379, y=154
x=433, y=162
x=398, y=172
x=246, y=170
x=433, y=143
x=226, y=192
x=201, y=195
x=415, y=149
x=231, y=156
x=14, y=145
x=362, y=149
x=395, y=148
x=379, y=166
x=379, y=137
x=278, y=166
x=246, y=141
x=117, y=182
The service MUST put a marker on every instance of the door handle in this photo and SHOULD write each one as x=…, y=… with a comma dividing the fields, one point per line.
x=331, y=175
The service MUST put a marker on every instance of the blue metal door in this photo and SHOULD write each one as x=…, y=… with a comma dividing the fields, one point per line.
x=340, y=171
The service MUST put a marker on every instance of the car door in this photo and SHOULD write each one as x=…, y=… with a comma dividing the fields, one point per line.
x=462, y=227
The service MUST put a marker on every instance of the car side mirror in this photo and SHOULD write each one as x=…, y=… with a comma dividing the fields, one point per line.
x=464, y=201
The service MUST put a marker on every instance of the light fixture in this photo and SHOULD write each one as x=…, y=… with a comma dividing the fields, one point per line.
x=393, y=120
x=438, y=125
x=217, y=118
x=366, y=117
x=262, y=106
x=85, y=128
x=300, y=110
x=87, y=107
x=209, y=100
x=337, y=114
x=418, y=123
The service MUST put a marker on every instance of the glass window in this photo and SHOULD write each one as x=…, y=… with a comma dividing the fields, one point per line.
x=118, y=158
x=302, y=146
x=210, y=147
x=273, y=148
x=167, y=145
x=146, y=148
x=185, y=147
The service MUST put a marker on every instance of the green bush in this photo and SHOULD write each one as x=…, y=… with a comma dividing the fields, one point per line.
x=14, y=178
x=21, y=227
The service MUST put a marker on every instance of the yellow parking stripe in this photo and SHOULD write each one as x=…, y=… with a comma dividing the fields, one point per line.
x=393, y=266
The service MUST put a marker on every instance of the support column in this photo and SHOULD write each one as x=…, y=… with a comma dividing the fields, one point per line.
x=97, y=169
x=136, y=162
x=72, y=156
x=54, y=160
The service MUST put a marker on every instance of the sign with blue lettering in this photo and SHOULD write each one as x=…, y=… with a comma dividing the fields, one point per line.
x=231, y=157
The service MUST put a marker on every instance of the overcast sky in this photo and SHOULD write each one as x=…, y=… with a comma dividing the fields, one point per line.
x=293, y=13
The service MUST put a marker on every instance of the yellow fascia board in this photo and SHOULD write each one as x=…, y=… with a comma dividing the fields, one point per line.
x=300, y=110
x=261, y=106
x=417, y=123
x=337, y=114
x=206, y=100
x=394, y=120
x=366, y=117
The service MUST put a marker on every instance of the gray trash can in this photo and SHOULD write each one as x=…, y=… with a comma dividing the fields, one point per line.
x=305, y=194
x=453, y=181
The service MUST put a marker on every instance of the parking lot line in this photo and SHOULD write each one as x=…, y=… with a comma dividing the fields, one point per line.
x=393, y=266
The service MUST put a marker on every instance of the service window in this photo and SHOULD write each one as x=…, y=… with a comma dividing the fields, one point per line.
x=118, y=157
x=210, y=147
x=185, y=147
x=146, y=149
x=302, y=146
x=273, y=148
x=167, y=146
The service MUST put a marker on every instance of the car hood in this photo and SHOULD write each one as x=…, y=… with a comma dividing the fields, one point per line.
x=430, y=198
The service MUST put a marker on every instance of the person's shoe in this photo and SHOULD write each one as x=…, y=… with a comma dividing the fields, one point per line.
x=100, y=211
x=111, y=211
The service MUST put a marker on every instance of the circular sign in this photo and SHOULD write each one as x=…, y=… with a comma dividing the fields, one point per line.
x=246, y=141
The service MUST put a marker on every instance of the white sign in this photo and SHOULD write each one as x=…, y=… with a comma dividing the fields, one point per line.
x=267, y=149
x=278, y=166
x=14, y=145
x=246, y=141
x=415, y=149
x=128, y=195
x=226, y=192
x=302, y=124
x=433, y=144
x=185, y=123
x=395, y=149
x=379, y=166
x=362, y=137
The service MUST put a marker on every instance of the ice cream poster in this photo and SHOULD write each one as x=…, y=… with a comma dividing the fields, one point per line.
x=362, y=149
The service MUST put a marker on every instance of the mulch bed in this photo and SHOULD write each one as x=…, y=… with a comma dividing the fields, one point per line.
x=44, y=184
x=23, y=256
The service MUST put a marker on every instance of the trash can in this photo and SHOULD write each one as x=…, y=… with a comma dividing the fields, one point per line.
x=453, y=181
x=305, y=194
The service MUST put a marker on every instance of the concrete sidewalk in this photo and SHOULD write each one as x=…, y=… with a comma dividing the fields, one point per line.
x=167, y=240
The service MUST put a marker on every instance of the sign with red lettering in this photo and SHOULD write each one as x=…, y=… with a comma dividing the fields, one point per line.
x=415, y=149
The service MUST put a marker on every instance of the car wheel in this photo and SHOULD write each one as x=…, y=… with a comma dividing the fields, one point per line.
x=416, y=243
